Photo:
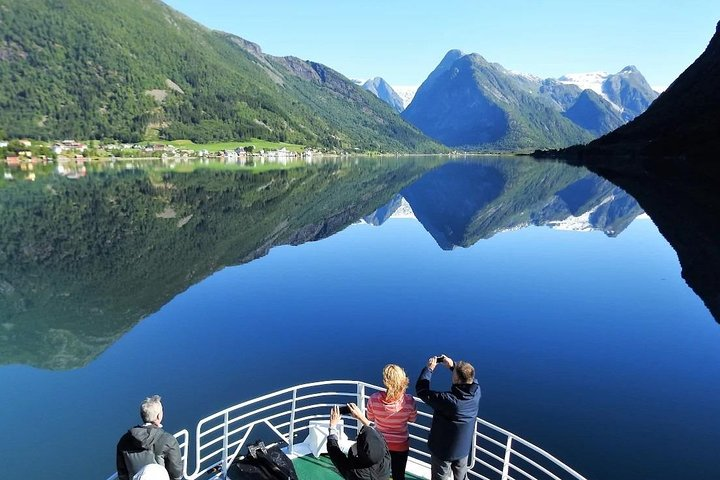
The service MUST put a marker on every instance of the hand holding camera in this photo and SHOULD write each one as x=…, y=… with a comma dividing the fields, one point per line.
x=438, y=360
x=349, y=409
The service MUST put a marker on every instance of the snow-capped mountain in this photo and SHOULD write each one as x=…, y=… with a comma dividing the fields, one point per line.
x=397, y=207
x=406, y=93
x=591, y=80
x=397, y=96
x=381, y=89
x=627, y=91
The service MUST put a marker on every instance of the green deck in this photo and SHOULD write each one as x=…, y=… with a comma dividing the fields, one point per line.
x=311, y=468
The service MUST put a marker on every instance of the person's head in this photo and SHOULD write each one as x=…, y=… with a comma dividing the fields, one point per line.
x=151, y=410
x=369, y=449
x=395, y=380
x=463, y=373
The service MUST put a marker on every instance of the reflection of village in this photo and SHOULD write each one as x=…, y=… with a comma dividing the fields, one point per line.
x=70, y=158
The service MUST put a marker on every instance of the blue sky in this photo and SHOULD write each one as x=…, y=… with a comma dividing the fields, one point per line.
x=402, y=41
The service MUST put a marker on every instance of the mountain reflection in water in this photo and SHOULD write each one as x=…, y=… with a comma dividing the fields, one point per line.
x=460, y=203
x=82, y=261
x=683, y=200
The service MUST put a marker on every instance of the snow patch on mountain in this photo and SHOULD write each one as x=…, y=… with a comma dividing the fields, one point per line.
x=404, y=210
x=591, y=81
x=526, y=76
x=406, y=93
x=580, y=223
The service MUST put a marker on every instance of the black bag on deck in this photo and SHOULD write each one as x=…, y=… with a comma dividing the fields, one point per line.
x=262, y=463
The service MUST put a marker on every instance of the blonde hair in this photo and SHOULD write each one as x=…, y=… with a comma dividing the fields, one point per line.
x=395, y=380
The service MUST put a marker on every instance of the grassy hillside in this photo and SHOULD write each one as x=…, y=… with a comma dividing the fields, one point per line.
x=135, y=69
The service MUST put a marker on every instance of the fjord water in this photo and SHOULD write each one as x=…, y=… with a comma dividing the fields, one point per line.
x=211, y=285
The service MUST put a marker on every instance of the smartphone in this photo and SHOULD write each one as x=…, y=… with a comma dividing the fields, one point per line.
x=440, y=359
x=344, y=410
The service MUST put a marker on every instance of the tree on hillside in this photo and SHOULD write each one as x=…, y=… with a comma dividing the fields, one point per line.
x=15, y=146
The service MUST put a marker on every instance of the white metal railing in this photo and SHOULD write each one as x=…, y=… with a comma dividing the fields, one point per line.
x=281, y=416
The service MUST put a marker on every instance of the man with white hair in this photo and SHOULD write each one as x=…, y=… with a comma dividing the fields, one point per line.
x=149, y=444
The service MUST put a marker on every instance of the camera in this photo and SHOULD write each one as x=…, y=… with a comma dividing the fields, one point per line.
x=440, y=359
x=344, y=410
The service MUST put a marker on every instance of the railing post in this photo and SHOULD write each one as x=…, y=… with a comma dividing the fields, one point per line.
x=291, y=440
x=360, y=403
x=506, y=463
x=474, y=446
x=225, y=446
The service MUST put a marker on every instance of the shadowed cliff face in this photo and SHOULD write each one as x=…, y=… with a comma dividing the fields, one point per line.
x=82, y=261
x=460, y=203
x=683, y=200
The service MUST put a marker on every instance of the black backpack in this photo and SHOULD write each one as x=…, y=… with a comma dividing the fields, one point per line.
x=263, y=463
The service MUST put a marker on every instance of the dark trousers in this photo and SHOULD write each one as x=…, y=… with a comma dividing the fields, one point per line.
x=440, y=469
x=398, y=462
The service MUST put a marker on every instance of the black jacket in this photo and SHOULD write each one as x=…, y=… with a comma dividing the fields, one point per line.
x=454, y=414
x=368, y=459
x=147, y=444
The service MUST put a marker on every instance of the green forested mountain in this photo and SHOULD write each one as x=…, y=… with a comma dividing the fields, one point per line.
x=133, y=69
x=471, y=103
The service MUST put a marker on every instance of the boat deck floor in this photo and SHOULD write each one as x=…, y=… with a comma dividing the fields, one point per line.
x=321, y=468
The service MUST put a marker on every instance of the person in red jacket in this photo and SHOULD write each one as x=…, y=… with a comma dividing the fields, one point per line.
x=391, y=411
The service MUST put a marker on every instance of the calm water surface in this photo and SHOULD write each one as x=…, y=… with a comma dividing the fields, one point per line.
x=585, y=338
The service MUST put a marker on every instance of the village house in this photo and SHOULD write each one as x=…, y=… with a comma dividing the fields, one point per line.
x=230, y=155
x=12, y=161
x=68, y=145
x=73, y=145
